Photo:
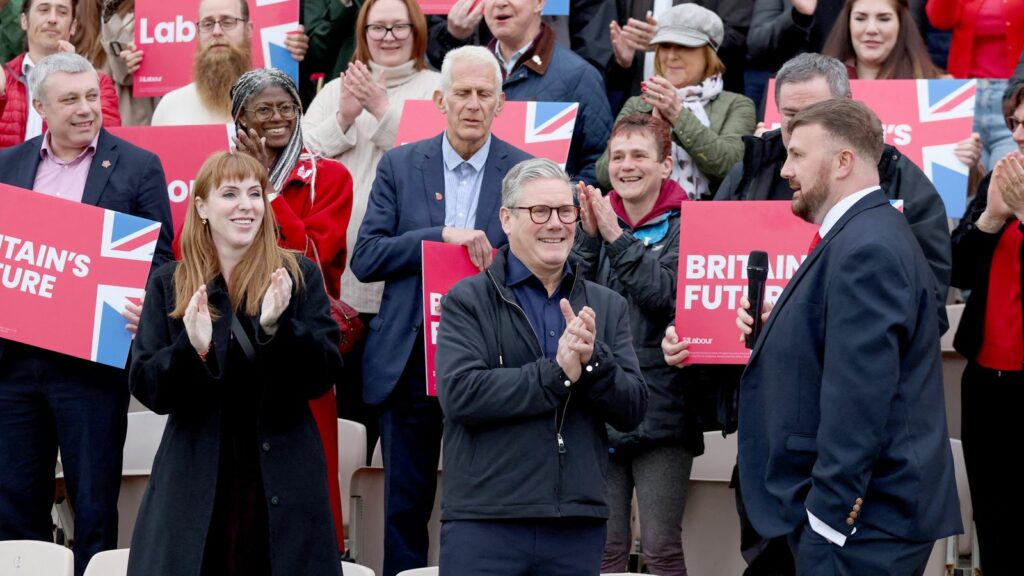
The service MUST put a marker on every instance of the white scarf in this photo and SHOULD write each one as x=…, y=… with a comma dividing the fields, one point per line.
x=694, y=99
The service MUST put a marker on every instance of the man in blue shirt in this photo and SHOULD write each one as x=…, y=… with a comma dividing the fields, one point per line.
x=532, y=362
x=444, y=189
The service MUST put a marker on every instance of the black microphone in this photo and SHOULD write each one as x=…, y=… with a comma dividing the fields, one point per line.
x=757, y=273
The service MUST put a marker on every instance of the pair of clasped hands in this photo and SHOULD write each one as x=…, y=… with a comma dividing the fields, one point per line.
x=676, y=352
x=199, y=326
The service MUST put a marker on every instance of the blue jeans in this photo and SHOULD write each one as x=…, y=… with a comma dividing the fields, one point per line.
x=990, y=123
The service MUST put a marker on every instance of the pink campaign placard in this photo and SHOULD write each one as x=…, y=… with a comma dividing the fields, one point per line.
x=541, y=129
x=67, y=270
x=924, y=119
x=166, y=32
x=443, y=266
x=714, y=242
x=182, y=150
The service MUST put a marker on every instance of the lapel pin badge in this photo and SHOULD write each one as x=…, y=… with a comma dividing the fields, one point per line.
x=536, y=60
x=438, y=196
x=105, y=163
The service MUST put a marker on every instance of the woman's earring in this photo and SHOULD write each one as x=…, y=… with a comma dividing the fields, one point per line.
x=203, y=219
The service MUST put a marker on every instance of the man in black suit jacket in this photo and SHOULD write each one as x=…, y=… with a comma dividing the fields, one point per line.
x=424, y=191
x=843, y=444
x=48, y=399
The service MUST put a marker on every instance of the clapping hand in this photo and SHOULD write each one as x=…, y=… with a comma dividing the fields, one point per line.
x=661, y=94
x=198, y=324
x=597, y=214
x=276, y=300
x=251, y=143
x=1011, y=182
x=576, y=346
x=369, y=91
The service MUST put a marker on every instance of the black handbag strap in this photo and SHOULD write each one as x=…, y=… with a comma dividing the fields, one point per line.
x=243, y=339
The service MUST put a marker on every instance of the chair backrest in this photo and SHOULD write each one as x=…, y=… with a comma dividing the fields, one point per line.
x=350, y=569
x=953, y=313
x=430, y=571
x=366, y=528
x=718, y=459
x=109, y=563
x=145, y=429
x=351, y=456
x=35, y=558
x=963, y=489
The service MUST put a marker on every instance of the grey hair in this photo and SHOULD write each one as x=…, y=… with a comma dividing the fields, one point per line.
x=527, y=171
x=252, y=83
x=809, y=66
x=475, y=54
x=60, y=62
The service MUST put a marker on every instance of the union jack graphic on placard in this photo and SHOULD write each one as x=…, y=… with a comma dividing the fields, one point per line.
x=924, y=119
x=71, y=270
x=541, y=129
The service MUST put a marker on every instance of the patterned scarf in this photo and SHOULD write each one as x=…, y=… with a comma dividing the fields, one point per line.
x=694, y=99
x=110, y=8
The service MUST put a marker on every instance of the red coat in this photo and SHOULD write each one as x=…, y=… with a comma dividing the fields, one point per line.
x=317, y=204
x=14, y=104
x=962, y=17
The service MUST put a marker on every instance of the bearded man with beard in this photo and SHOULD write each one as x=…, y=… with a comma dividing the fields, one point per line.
x=223, y=54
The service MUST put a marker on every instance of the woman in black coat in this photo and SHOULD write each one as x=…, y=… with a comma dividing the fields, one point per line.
x=233, y=342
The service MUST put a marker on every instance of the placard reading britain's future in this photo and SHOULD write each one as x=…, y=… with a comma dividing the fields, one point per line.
x=67, y=270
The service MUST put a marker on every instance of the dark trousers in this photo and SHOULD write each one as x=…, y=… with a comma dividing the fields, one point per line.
x=538, y=547
x=410, y=435
x=990, y=404
x=49, y=400
x=869, y=551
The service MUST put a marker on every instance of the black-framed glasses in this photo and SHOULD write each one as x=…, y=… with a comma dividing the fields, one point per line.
x=567, y=214
x=227, y=23
x=265, y=112
x=398, y=31
x=1012, y=123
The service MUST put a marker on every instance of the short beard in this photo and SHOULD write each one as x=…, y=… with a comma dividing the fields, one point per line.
x=216, y=71
x=812, y=198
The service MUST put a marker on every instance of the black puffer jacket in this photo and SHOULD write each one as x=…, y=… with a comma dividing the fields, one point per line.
x=518, y=443
x=645, y=275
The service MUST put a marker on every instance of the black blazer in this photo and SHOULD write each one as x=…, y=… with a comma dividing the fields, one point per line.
x=122, y=177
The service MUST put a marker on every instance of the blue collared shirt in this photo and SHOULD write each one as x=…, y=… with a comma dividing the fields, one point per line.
x=462, y=182
x=543, y=311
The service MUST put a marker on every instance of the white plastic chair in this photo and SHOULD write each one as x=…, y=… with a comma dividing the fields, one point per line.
x=145, y=430
x=429, y=571
x=35, y=558
x=350, y=569
x=711, y=531
x=351, y=457
x=109, y=563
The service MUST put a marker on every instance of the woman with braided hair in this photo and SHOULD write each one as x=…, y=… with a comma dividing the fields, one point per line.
x=311, y=197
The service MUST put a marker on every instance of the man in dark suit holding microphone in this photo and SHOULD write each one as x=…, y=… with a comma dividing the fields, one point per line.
x=843, y=446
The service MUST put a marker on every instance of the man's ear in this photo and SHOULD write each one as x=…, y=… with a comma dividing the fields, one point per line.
x=439, y=101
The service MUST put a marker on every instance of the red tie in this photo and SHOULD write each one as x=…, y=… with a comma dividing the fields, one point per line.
x=814, y=243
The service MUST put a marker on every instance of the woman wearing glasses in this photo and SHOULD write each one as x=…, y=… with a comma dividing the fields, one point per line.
x=987, y=260
x=234, y=340
x=629, y=242
x=355, y=117
x=354, y=120
x=311, y=199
